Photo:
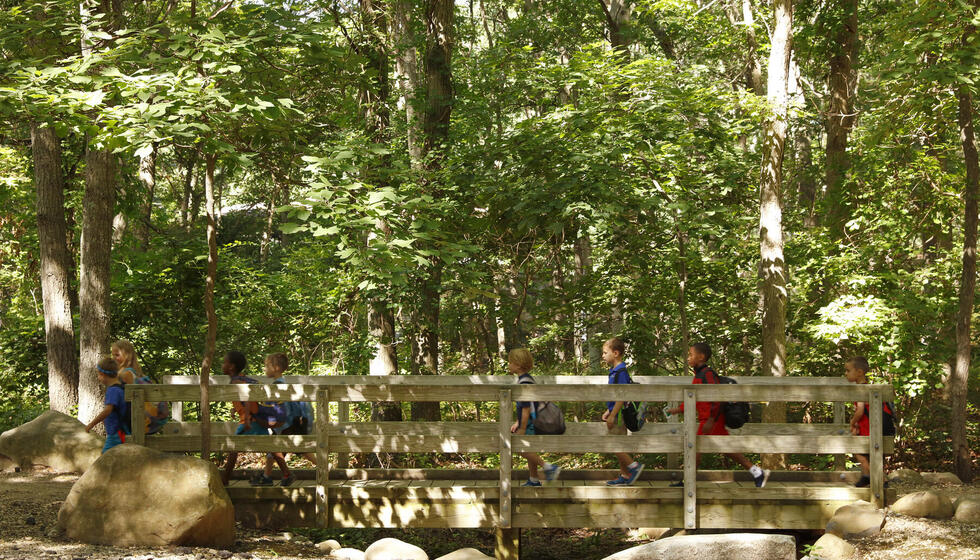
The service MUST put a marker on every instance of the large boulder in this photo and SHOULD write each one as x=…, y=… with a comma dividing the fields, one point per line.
x=924, y=504
x=832, y=547
x=732, y=546
x=907, y=476
x=465, y=554
x=967, y=509
x=53, y=440
x=856, y=521
x=942, y=478
x=137, y=496
x=394, y=549
x=346, y=554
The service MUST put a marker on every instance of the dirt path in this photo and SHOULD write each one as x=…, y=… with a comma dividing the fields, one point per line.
x=29, y=504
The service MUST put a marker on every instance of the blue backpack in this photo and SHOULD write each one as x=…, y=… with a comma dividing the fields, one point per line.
x=157, y=413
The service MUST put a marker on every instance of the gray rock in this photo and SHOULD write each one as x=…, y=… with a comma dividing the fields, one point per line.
x=120, y=501
x=465, y=554
x=328, y=546
x=924, y=504
x=53, y=440
x=394, y=549
x=942, y=478
x=967, y=509
x=346, y=554
x=832, y=547
x=732, y=546
x=653, y=533
x=907, y=476
x=856, y=521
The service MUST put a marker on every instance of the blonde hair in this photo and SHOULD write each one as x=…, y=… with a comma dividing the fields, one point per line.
x=521, y=358
x=129, y=358
x=278, y=361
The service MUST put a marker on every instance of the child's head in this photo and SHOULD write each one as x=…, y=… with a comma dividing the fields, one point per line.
x=234, y=363
x=856, y=369
x=699, y=353
x=275, y=364
x=613, y=351
x=519, y=361
x=108, y=371
x=124, y=353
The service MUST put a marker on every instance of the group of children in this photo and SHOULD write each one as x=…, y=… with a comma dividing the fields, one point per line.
x=711, y=417
x=296, y=418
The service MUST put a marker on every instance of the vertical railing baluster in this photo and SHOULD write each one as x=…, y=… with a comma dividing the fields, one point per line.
x=137, y=416
x=690, y=459
x=876, y=442
x=322, y=457
x=506, y=457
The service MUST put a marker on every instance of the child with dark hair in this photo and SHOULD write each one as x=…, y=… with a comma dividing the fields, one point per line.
x=856, y=371
x=613, y=352
x=249, y=423
x=711, y=416
x=115, y=415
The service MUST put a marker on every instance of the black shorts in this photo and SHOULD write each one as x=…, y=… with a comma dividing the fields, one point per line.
x=299, y=427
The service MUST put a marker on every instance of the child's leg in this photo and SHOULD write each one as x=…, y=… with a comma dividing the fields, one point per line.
x=624, y=463
x=229, y=467
x=865, y=464
x=533, y=462
x=269, y=457
x=310, y=457
x=740, y=459
x=281, y=461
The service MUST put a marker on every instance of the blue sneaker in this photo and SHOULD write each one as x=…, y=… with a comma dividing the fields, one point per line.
x=621, y=481
x=532, y=483
x=551, y=472
x=635, y=473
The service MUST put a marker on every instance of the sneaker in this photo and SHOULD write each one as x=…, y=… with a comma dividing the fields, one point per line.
x=762, y=479
x=551, y=473
x=621, y=481
x=863, y=482
x=287, y=480
x=261, y=480
x=678, y=484
x=532, y=483
x=635, y=473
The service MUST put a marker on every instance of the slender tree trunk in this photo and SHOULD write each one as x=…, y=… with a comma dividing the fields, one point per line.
x=959, y=380
x=772, y=265
x=842, y=83
x=407, y=75
x=212, y=317
x=807, y=195
x=682, y=296
x=59, y=330
x=587, y=346
x=190, y=184
x=270, y=220
x=753, y=68
x=94, y=292
x=148, y=178
x=618, y=14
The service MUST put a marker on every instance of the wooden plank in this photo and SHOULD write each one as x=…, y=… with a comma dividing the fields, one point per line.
x=138, y=418
x=673, y=459
x=570, y=393
x=322, y=457
x=690, y=459
x=507, y=544
x=377, y=513
x=840, y=418
x=504, y=420
x=877, y=444
x=177, y=411
x=788, y=444
x=551, y=514
x=496, y=380
x=343, y=416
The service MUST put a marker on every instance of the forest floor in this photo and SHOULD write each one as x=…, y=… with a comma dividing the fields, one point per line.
x=29, y=504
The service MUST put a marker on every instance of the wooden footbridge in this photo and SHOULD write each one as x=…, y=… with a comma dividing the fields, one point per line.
x=438, y=498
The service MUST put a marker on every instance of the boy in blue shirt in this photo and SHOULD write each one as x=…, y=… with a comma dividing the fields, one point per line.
x=612, y=354
x=115, y=413
x=297, y=420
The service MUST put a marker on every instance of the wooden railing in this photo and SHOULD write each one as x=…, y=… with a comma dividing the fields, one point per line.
x=341, y=436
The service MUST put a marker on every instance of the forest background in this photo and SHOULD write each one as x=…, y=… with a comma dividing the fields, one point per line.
x=418, y=186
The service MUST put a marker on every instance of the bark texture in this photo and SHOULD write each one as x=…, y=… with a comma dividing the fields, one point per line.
x=212, y=317
x=842, y=82
x=148, y=179
x=59, y=330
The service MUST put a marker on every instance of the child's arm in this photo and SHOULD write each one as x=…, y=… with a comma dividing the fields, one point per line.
x=520, y=427
x=102, y=416
x=610, y=415
x=858, y=414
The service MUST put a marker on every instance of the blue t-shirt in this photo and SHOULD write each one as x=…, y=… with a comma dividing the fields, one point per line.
x=292, y=411
x=618, y=376
x=524, y=379
x=115, y=396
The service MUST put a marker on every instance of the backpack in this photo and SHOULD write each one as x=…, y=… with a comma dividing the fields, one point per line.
x=546, y=417
x=157, y=413
x=297, y=414
x=123, y=412
x=736, y=413
x=634, y=412
x=888, y=422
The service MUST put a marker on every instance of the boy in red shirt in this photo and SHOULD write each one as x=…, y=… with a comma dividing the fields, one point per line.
x=710, y=414
x=856, y=370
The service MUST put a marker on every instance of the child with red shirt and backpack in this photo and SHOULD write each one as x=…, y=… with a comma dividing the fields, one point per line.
x=710, y=414
x=856, y=370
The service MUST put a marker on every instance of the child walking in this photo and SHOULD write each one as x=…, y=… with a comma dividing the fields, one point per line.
x=520, y=362
x=710, y=415
x=233, y=366
x=298, y=421
x=124, y=353
x=116, y=411
x=856, y=371
x=613, y=352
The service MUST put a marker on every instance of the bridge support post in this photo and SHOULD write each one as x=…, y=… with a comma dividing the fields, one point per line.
x=876, y=457
x=508, y=544
x=322, y=457
x=690, y=459
x=840, y=417
x=673, y=459
x=138, y=417
x=506, y=459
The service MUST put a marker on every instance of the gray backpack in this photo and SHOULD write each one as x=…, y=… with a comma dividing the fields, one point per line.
x=546, y=417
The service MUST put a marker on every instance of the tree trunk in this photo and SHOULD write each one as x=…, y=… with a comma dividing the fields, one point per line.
x=682, y=296
x=270, y=221
x=753, y=69
x=807, y=192
x=842, y=83
x=94, y=292
x=212, y=317
x=407, y=75
x=587, y=347
x=148, y=178
x=618, y=13
x=959, y=380
x=772, y=266
x=190, y=184
x=59, y=330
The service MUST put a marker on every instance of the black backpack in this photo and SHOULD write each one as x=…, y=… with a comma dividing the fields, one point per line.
x=736, y=413
x=888, y=418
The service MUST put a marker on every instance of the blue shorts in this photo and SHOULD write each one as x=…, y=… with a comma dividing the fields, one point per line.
x=254, y=430
x=112, y=440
